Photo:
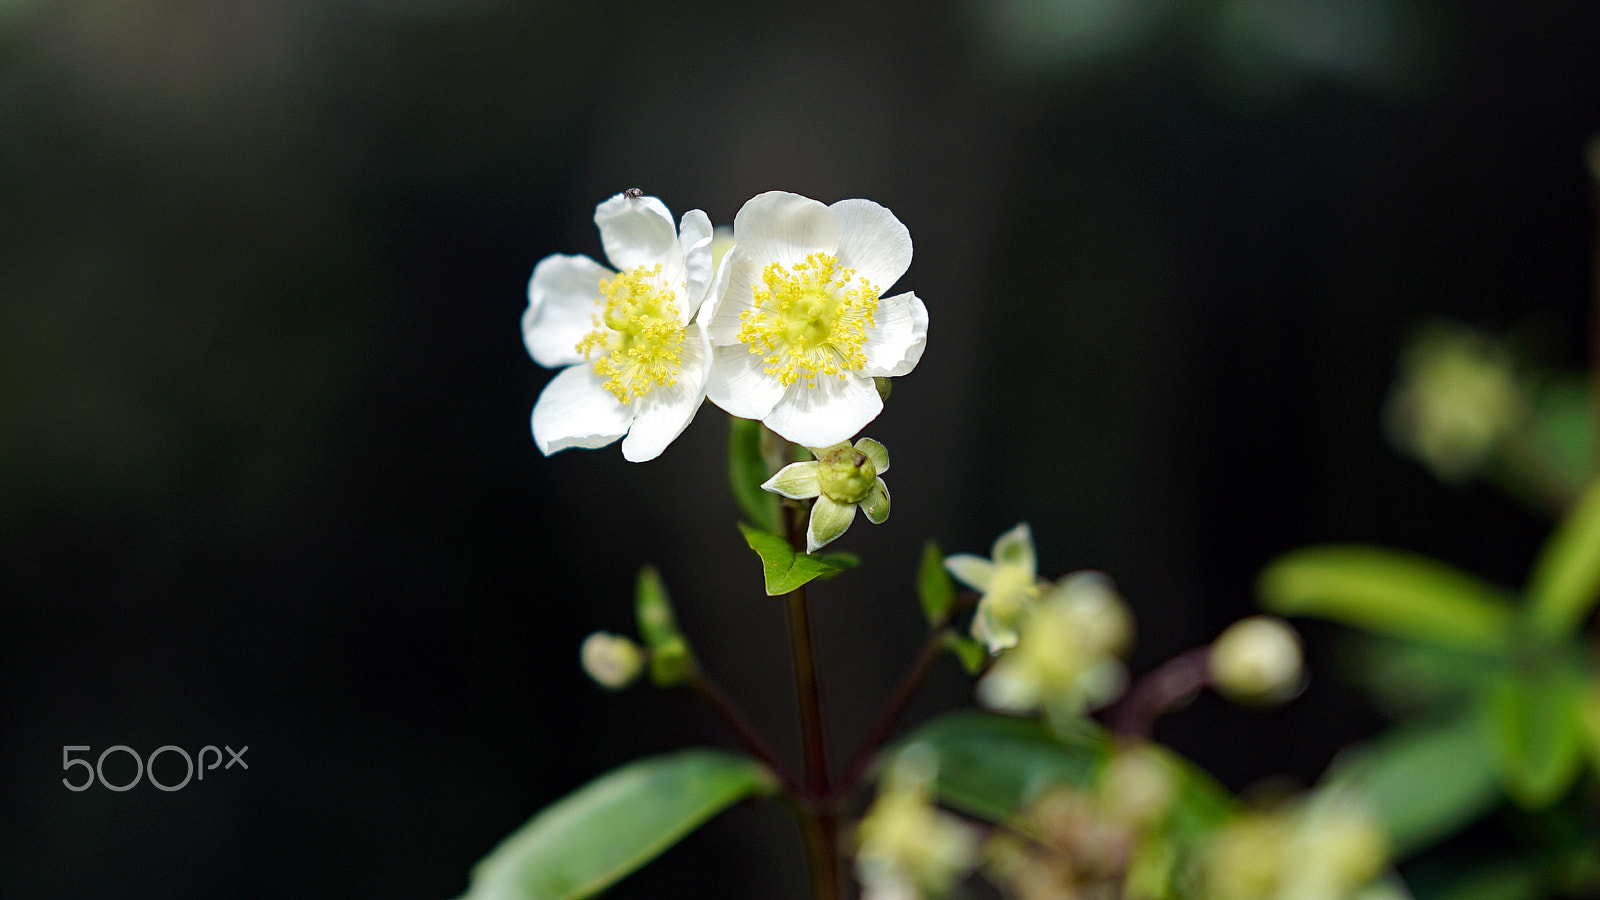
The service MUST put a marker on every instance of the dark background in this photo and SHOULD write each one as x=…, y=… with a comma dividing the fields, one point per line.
x=265, y=470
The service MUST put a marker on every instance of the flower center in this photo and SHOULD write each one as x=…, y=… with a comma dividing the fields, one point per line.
x=810, y=318
x=638, y=332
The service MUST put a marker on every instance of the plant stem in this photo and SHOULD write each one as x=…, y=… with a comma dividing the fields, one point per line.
x=818, y=821
x=890, y=716
x=1170, y=685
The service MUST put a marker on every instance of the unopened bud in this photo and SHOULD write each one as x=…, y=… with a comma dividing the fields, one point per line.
x=1257, y=660
x=845, y=474
x=611, y=660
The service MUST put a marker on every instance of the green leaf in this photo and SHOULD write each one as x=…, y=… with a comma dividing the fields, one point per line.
x=934, y=587
x=1408, y=679
x=1390, y=592
x=587, y=841
x=653, y=608
x=786, y=570
x=990, y=765
x=1566, y=577
x=670, y=657
x=1533, y=718
x=747, y=469
x=1424, y=781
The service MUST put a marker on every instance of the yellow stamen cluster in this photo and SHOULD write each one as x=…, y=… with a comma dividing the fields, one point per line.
x=809, y=318
x=638, y=330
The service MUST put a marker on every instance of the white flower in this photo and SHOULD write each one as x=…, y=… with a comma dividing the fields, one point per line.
x=842, y=478
x=1066, y=657
x=1009, y=582
x=908, y=847
x=636, y=360
x=797, y=320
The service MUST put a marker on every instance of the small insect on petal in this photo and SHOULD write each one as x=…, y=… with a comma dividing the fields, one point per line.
x=633, y=193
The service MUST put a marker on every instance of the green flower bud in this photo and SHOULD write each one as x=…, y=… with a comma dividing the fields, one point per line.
x=1257, y=660
x=611, y=660
x=846, y=475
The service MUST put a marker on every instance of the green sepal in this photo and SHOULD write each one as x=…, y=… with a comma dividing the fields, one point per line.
x=1424, y=781
x=1390, y=592
x=747, y=469
x=670, y=657
x=1533, y=718
x=610, y=827
x=1566, y=578
x=935, y=589
x=972, y=655
x=783, y=569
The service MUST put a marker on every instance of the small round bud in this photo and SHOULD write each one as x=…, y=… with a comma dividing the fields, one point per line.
x=611, y=660
x=1257, y=660
x=845, y=474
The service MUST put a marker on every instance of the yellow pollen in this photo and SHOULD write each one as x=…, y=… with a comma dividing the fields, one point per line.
x=809, y=319
x=638, y=332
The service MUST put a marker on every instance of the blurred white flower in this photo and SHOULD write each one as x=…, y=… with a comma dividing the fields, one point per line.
x=908, y=847
x=1066, y=657
x=1009, y=583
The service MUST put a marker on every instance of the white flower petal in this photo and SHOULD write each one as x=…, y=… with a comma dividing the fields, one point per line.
x=824, y=415
x=872, y=241
x=562, y=301
x=694, y=233
x=575, y=411
x=781, y=227
x=637, y=231
x=731, y=296
x=739, y=383
x=973, y=571
x=797, y=481
x=829, y=521
x=1004, y=688
x=894, y=345
x=667, y=410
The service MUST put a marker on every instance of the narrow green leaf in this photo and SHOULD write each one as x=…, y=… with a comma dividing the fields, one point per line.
x=1566, y=578
x=1533, y=719
x=653, y=608
x=1390, y=592
x=747, y=469
x=670, y=657
x=613, y=825
x=934, y=587
x=785, y=570
x=1407, y=679
x=1424, y=781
